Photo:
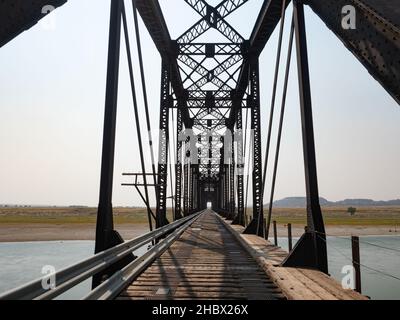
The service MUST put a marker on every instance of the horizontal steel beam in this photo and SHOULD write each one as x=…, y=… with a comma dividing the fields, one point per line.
x=211, y=49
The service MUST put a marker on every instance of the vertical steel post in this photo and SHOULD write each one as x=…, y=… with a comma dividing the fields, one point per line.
x=311, y=249
x=232, y=204
x=226, y=189
x=290, y=238
x=162, y=184
x=193, y=188
x=191, y=184
x=221, y=191
x=105, y=223
x=227, y=150
x=239, y=219
x=199, y=196
x=106, y=236
x=178, y=167
x=186, y=179
x=194, y=191
x=275, y=233
x=355, y=248
x=314, y=214
x=256, y=226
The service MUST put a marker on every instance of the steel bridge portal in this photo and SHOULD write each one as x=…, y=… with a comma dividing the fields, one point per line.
x=215, y=244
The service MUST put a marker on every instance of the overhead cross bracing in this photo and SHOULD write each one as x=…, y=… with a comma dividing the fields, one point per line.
x=214, y=87
x=210, y=72
x=220, y=80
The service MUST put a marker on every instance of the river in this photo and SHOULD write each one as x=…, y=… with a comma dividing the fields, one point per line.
x=380, y=257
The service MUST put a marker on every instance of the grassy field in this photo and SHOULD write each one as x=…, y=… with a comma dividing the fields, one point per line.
x=58, y=215
x=335, y=216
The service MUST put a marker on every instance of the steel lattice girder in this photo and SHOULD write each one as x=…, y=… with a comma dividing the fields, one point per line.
x=256, y=226
x=16, y=16
x=210, y=76
x=178, y=167
x=223, y=75
x=165, y=105
x=239, y=219
x=376, y=44
x=213, y=17
x=376, y=39
x=218, y=49
x=154, y=21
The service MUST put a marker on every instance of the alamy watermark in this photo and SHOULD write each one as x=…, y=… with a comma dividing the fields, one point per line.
x=48, y=23
x=348, y=280
x=49, y=277
x=349, y=17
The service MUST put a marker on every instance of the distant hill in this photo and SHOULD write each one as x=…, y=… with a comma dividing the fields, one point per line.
x=300, y=202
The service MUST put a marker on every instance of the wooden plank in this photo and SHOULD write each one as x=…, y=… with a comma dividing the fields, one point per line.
x=295, y=283
x=317, y=289
x=332, y=287
x=204, y=264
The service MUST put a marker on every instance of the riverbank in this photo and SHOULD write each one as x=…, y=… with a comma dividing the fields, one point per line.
x=78, y=223
x=64, y=232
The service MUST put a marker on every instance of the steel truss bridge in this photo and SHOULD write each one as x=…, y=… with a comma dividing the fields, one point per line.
x=214, y=91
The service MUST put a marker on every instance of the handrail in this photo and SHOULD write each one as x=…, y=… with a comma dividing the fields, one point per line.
x=110, y=288
x=71, y=276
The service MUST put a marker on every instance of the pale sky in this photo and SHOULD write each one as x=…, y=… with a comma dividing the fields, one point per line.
x=52, y=85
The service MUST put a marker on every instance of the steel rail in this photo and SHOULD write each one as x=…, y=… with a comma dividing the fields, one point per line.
x=71, y=276
x=113, y=286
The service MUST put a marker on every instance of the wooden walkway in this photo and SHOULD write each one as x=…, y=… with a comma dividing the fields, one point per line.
x=207, y=262
x=295, y=283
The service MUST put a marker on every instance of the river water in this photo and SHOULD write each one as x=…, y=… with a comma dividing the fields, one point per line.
x=380, y=257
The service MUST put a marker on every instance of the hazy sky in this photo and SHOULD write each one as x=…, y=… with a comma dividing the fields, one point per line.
x=52, y=86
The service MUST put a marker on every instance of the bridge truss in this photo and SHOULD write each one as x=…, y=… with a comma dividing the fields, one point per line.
x=210, y=87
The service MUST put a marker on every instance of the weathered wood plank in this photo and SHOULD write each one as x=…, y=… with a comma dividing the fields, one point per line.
x=295, y=283
x=212, y=260
x=205, y=263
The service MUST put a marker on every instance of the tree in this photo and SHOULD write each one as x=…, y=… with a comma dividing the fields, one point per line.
x=352, y=211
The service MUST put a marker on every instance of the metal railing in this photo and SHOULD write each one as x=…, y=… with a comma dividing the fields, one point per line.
x=75, y=274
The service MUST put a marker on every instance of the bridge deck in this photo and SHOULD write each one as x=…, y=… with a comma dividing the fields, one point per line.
x=207, y=262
